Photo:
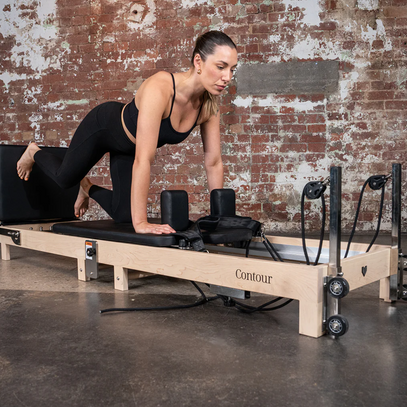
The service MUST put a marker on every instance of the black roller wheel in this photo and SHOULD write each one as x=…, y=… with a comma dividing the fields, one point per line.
x=338, y=287
x=337, y=325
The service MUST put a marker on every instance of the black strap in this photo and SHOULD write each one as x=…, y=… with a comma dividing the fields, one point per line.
x=173, y=98
x=193, y=234
x=211, y=223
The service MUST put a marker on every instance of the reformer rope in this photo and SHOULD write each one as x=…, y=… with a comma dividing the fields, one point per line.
x=317, y=191
x=375, y=182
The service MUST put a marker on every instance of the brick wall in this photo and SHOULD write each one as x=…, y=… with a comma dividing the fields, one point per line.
x=59, y=58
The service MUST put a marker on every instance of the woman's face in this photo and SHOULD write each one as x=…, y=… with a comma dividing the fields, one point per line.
x=217, y=70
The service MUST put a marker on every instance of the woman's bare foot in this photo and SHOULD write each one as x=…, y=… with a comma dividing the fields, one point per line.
x=82, y=201
x=26, y=161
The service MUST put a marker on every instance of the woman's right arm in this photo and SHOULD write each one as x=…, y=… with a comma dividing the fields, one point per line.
x=151, y=105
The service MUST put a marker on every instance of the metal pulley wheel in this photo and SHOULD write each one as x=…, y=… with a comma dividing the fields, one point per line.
x=338, y=287
x=337, y=325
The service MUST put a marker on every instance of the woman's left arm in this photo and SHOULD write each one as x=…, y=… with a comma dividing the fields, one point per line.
x=210, y=133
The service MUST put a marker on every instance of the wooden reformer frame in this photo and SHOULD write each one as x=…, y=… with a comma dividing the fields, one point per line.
x=258, y=274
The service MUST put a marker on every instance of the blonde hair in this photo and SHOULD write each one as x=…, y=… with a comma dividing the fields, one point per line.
x=204, y=46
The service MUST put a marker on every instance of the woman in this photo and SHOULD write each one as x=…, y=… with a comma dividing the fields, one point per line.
x=165, y=110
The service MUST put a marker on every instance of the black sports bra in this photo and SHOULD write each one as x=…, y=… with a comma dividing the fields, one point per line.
x=167, y=134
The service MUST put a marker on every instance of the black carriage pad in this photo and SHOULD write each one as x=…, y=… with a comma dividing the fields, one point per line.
x=124, y=233
x=112, y=231
x=39, y=198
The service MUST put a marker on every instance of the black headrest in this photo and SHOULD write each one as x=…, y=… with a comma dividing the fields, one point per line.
x=223, y=202
x=174, y=209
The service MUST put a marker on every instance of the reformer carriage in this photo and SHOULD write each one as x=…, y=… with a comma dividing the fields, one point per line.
x=49, y=226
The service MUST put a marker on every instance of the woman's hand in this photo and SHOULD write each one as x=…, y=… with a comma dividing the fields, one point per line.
x=156, y=229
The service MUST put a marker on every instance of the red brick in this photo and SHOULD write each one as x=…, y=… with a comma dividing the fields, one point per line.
x=287, y=118
x=396, y=105
x=311, y=118
x=78, y=39
x=230, y=119
x=327, y=25
x=273, y=17
x=312, y=138
x=260, y=138
x=401, y=22
x=293, y=147
x=395, y=12
x=316, y=148
x=317, y=128
x=252, y=48
x=294, y=128
x=251, y=9
x=349, y=45
x=368, y=106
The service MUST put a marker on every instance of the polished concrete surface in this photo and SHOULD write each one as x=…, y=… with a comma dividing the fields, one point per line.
x=56, y=349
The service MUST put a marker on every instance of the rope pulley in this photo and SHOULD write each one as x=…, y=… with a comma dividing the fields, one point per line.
x=377, y=182
x=314, y=190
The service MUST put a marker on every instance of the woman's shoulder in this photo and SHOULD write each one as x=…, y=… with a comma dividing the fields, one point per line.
x=161, y=80
x=157, y=85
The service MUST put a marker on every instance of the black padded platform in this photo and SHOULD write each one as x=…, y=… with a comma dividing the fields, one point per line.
x=117, y=232
x=39, y=198
x=124, y=233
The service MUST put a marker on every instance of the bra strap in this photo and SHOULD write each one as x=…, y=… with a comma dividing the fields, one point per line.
x=173, y=98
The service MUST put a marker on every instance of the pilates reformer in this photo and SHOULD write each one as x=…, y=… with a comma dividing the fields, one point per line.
x=213, y=257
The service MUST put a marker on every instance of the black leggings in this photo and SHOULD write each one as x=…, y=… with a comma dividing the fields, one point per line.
x=100, y=132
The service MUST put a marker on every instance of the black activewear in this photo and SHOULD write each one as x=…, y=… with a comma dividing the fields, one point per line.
x=100, y=132
x=167, y=134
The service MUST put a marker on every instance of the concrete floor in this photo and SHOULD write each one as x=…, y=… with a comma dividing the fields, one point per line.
x=56, y=349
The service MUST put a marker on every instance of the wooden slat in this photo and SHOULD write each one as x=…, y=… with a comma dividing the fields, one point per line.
x=378, y=265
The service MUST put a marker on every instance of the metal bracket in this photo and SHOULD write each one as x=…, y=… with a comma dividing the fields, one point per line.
x=325, y=303
x=91, y=263
x=230, y=292
x=14, y=234
x=396, y=280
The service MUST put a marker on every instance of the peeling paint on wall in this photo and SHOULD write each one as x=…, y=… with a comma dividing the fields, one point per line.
x=310, y=9
x=33, y=34
x=141, y=15
x=276, y=103
x=368, y=4
x=192, y=3
x=371, y=35
x=8, y=77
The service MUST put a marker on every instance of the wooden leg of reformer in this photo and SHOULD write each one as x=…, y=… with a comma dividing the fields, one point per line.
x=385, y=283
x=121, y=278
x=311, y=316
x=384, y=293
x=82, y=270
x=5, y=251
